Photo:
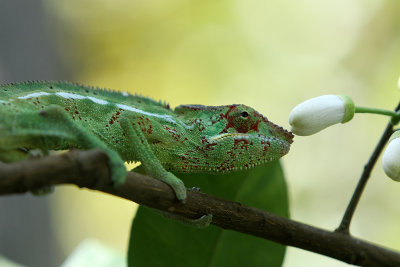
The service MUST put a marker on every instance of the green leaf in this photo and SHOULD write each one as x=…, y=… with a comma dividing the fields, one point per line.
x=158, y=241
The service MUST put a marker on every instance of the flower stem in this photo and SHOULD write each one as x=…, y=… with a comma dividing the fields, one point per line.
x=376, y=111
x=348, y=215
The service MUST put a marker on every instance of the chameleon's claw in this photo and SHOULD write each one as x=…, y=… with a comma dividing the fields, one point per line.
x=194, y=189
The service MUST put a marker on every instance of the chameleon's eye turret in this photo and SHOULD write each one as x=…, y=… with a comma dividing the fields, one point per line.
x=242, y=119
x=246, y=120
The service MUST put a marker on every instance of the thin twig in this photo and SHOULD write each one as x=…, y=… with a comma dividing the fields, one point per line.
x=344, y=226
x=89, y=169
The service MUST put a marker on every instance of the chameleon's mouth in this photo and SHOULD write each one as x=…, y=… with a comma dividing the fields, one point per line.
x=238, y=136
x=224, y=135
x=269, y=142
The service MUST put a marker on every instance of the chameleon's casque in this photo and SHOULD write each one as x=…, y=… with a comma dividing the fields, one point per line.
x=191, y=138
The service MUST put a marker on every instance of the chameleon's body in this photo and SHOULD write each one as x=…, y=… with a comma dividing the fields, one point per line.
x=192, y=138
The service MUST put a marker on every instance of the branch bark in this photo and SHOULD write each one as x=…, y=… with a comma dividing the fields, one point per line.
x=89, y=169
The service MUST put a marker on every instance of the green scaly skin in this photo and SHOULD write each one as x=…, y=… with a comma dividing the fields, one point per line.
x=190, y=138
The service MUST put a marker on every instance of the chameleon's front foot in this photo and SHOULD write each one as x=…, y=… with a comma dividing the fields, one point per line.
x=177, y=185
x=117, y=168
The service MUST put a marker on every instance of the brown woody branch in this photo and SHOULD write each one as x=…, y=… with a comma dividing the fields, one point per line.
x=89, y=169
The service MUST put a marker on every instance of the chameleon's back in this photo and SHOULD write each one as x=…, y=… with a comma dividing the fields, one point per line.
x=39, y=89
x=23, y=106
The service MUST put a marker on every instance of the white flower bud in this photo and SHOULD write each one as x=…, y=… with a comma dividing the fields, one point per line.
x=391, y=157
x=318, y=113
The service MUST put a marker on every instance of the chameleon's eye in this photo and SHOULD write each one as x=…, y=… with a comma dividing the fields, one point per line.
x=244, y=114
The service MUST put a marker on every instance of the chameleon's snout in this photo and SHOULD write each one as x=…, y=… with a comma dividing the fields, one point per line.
x=279, y=131
x=286, y=135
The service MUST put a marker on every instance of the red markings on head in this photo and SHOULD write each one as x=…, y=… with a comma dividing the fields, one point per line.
x=266, y=145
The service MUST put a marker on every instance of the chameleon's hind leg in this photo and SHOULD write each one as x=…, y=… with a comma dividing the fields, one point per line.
x=57, y=118
x=145, y=155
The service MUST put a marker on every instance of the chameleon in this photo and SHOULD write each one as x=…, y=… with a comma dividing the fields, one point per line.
x=53, y=115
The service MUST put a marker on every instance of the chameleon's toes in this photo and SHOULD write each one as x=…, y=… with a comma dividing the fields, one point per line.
x=194, y=189
x=35, y=153
x=202, y=222
x=178, y=186
x=180, y=191
x=118, y=172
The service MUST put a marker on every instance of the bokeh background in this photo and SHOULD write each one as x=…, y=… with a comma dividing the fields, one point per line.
x=270, y=55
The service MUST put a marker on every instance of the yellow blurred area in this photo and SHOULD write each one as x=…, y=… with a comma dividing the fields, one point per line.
x=270, y=55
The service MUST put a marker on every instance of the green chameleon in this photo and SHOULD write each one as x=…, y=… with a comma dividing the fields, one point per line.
x=190, y=138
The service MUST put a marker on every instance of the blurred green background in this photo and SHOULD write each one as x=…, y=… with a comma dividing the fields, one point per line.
x=270, y=55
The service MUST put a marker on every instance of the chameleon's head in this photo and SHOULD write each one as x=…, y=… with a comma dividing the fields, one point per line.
x=231, y=138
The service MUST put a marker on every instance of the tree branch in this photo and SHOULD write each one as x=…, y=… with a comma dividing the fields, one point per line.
x=89, y=169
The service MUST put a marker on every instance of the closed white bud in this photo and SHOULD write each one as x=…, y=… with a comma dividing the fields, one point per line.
x=318, y=113
x=391, y=157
